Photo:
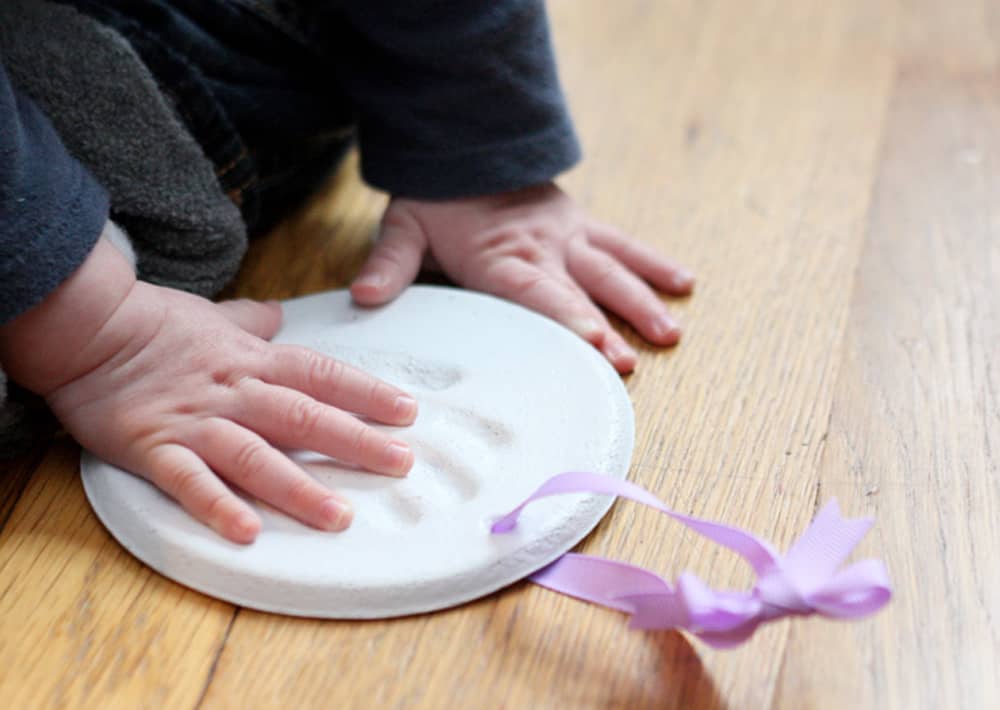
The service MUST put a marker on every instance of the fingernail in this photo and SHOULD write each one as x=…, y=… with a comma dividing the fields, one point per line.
x=586, y=328
x=370, y=281
x=245, y=527
x=400, y=456
x=620, y=351
x=664, y=327
x=683, y=278
x=405, y=406
x=621, y=356
x=336, y=515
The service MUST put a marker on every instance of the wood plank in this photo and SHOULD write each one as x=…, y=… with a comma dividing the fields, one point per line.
x=14, y=477
x=742, y=139
x=915, y=429
x=82, y=623
x=951, y=37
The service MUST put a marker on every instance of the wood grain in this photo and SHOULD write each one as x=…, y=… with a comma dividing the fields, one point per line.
x=84, y=624
x=829, y=170
x=914, y=436
x=14, y=479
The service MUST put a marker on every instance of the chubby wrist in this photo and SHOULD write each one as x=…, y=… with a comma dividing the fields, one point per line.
x=60, y=339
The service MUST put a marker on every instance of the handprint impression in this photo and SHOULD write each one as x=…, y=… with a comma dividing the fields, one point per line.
x=448, y=438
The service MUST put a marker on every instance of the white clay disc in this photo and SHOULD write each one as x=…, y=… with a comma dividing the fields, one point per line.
x=507, y=399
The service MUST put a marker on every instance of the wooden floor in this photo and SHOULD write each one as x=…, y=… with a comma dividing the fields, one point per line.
x=831, y=171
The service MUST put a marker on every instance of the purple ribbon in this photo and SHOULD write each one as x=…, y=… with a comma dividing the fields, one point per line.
x=804, y=581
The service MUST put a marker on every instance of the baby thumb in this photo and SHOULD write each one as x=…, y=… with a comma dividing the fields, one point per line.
x=392, y=265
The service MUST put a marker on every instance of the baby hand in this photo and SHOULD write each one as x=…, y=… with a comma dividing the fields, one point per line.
x=536, y=247
x=186, y=392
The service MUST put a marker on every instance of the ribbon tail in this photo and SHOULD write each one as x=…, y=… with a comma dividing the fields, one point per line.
x=599, y=581
x=824, y=545
x=651, y=612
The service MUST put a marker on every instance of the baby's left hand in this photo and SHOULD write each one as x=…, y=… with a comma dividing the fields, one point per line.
x=536, y=247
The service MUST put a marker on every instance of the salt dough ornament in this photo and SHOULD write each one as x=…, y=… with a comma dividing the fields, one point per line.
x=507, y=397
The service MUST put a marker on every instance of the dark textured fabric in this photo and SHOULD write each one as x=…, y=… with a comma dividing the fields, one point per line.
x=241, y=89
x=449, y=98
x=51, y=209
x=191, y=98
x=453, y=97
x=110, y=113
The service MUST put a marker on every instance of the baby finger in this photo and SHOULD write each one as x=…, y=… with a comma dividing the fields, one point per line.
x=336, y=383
x=533, y=287
x=290, y=419
x=612, y=285
x=664, y=274
x=179, y=473
x=246, y=460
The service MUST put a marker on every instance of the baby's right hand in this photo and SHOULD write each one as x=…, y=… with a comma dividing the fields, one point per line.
x=186, y=392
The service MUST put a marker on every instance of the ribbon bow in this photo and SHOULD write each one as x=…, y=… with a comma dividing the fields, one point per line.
x=804, y=581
